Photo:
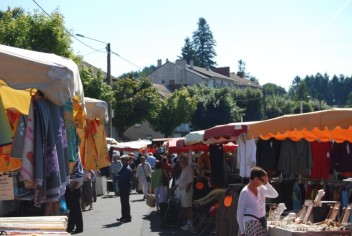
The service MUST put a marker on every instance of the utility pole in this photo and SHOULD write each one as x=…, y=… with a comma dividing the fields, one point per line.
x=108, y=81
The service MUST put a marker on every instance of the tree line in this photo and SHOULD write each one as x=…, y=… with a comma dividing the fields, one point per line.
x=134, y=99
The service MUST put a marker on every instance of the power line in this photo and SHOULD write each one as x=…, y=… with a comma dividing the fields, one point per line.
x=95, y=50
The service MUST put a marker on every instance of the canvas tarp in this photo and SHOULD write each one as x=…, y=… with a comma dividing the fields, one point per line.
x=56, y=77
x=333, y=124
x=96, y=109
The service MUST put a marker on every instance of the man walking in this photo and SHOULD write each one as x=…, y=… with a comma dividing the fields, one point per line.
x=124, y=178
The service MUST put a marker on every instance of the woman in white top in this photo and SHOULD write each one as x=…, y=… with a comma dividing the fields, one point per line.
x=251, y=203
x=143, y=170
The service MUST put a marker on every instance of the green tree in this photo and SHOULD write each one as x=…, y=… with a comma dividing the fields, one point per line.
x=187, y=52
x=37, y=32
x=174, y=111
x=214, y=107
x=273, y=89
x=203, y=45
x=94, y=84
x=277, y=105
x=136, y=100
x=249, y=100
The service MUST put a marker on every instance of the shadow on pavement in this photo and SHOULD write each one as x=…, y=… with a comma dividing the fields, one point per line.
x=155, y=221
x=115, y=224
x=138, y=200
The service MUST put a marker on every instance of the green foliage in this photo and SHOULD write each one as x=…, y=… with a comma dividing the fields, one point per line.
x=139, y=74
x=201, y=48
x=214, y=107
x=187, y=52
x=250, y=101
x=94, y=84
x=175, y=110
x=136, y=100
x=37, y=32
x=273, y=89
x=276, y=105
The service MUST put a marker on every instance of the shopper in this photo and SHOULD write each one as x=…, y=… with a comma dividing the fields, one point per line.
x=73, y=196
x=87, y=192
x=157, y=185
x=124, y=178
x=185, y=190
x=143, y=174
x=115, y=167
x=251, y=204
x=151, y=160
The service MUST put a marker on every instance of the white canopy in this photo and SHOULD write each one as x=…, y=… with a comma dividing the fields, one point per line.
x=56, y=77
x=132, y=146
x=96, y=109
x=194, y=137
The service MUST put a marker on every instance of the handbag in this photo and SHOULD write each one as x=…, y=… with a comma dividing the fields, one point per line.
x=147, y=177
x=261, y=219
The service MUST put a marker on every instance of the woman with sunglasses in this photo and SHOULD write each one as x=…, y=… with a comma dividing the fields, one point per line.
x=251, y=204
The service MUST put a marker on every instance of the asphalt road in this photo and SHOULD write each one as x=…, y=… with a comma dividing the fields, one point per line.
x=102, y=219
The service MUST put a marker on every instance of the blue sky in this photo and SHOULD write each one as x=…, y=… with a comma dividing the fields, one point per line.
x=278, y=39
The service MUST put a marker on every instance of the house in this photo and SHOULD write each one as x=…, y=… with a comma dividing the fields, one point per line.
x=179, y=73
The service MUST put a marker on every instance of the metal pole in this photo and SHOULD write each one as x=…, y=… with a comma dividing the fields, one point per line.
x=108, y=81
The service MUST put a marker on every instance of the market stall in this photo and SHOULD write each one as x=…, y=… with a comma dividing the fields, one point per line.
x=42, y=98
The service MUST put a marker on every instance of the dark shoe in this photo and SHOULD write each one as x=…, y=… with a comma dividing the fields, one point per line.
x=120, y=219
x=77, y=232
x=126, y=220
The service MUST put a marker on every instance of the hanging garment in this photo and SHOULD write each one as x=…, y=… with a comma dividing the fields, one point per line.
x=94, y=152
x=342, y=156
x=226, y=224
x=321, y=159
x=246, y=154
x=18, y=141
x=296, y=197
x=295, y=157
x=46, y=171
x=27, y=170
x=6, y=132
x=267, y=154
x=59, y=139
x=70, y=131
x=217, y=165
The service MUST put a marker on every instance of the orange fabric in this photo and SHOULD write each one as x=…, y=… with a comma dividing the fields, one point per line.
x=94, y=152
x=8, y=163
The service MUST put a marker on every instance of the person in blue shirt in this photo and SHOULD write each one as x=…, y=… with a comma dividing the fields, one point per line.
x=151, y=160
x=124, y=178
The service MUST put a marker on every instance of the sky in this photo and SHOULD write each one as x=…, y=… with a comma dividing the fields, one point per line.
x=277, y=39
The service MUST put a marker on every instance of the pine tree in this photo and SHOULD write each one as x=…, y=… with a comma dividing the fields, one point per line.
x=187, y=52
x=203, y=45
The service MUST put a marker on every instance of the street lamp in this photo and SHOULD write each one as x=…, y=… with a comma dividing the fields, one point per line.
x=108, y=79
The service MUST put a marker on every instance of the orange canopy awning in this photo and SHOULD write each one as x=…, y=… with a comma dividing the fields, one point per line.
x=333, y=124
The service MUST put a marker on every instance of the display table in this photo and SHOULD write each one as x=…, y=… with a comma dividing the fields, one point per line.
x=38, y=225
x=278, y=231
